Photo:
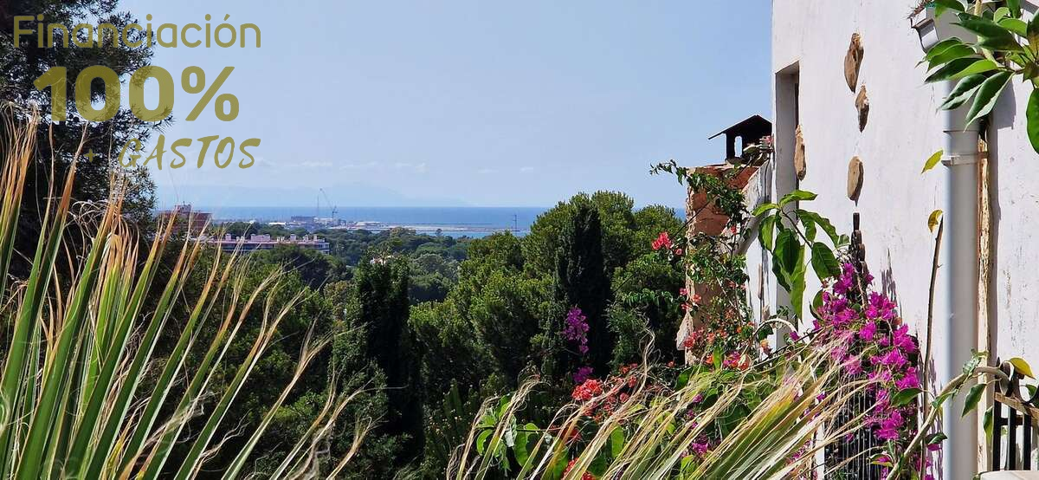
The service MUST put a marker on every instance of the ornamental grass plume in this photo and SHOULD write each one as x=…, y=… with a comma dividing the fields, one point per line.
x=75, y=403
x=661, y=432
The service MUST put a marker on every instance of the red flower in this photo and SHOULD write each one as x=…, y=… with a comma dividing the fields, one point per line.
x=662, y=241
x=588, y=390
x=586, y=476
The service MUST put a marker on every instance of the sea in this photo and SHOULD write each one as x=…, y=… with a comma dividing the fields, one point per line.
x=473, y=222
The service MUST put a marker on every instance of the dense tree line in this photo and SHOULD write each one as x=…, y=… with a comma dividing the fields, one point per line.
x=424, y=327
x=433, y=260
x=425, y=366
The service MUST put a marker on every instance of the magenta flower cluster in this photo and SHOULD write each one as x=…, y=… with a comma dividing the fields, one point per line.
x=873, y=342
x=576, y=329
x=582, y=374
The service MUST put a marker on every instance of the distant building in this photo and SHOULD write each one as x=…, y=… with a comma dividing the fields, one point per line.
x=741, y=172
x=743, y=134
x=229, y=243
x=185, y=219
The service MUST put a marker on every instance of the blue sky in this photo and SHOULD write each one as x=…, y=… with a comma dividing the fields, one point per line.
x=467, y=102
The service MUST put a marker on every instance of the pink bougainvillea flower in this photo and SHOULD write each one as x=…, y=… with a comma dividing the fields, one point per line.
x=889, y=427
x=582, y=374
x=868, y=330
x=902, y=339
x=882, y=376
x=700, y=446
x=853, y=367
x=663, y=241
x=909, y=380
x=690, y=340
x=576, y=329
x=893, y=358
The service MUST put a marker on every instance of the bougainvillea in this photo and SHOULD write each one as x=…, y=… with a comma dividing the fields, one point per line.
x=663, y=242
x=873, y=343
x=582, y=374
x=576, y=330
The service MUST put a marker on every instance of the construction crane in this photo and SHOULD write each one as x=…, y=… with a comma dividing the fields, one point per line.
x=334, y=208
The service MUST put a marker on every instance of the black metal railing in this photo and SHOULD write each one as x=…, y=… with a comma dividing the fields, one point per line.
x=1011, y=409
x=850, y=457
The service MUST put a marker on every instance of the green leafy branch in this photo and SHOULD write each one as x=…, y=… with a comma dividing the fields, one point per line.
x=973, y=369
x=1007, y=47
x=791, y=235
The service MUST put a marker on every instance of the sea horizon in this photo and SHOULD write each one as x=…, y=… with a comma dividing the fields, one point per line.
x=453, y=221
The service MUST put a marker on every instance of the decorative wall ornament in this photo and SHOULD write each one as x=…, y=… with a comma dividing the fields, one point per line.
x=855, y=174
x=862, y=105
x=800, y=166
x=853, y=61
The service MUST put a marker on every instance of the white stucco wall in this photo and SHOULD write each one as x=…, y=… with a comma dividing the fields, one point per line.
x=903, y=131
x=1014, y=307
x=811, y=37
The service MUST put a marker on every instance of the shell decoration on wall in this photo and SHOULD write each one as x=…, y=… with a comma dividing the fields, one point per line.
x=853, y=61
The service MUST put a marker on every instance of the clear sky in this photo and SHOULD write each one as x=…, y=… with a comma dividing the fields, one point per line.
x=467, y=102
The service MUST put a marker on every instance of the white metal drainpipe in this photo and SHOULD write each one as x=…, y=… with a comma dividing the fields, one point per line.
x=957, y=319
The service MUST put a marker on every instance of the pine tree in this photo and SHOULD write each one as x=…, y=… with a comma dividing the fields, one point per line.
x=380, y=309
x=582, y=282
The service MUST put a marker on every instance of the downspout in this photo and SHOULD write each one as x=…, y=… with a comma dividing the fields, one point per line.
x=957, y=320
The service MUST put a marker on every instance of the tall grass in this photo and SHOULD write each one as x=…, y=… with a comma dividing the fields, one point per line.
x=80, y=341
x=651, y=433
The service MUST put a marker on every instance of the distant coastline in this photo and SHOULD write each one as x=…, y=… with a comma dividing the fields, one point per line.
x=472, y=222
x=452, y=221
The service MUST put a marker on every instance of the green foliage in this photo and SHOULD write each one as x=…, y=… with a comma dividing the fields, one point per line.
x=791, y=235
x=502, y=318
x=20, y=66
x=380, y=354
x=353, y=246
x=450, y=352
x=618, y=225
x=649, y=222
x=507, y=315
x=134, y=383
x=434, y=260
x=1005, y=49
x=581, y=281
x=647, y=299
x=313, y=268
x=380, y=309
x=632, y=330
